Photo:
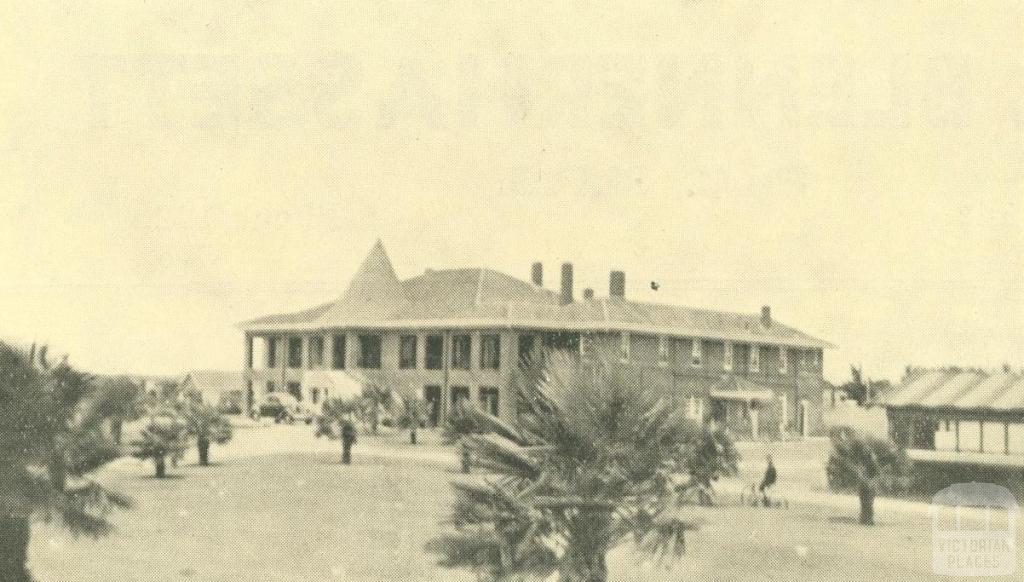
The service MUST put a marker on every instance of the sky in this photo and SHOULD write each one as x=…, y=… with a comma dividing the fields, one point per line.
x=167, y=171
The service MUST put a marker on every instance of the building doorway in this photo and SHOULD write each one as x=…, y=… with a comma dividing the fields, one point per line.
x=803, y=418
x=432, y=396
x=489, y=400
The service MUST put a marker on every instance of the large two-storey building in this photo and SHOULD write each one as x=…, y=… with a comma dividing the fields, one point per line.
x=454, y=334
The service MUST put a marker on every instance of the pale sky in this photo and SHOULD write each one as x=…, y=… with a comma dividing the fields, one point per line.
x=166, y=172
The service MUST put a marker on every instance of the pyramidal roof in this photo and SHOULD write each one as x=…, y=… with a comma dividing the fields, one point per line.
x=374, y=292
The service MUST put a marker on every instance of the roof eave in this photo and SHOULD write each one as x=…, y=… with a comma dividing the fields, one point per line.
x=502, y=323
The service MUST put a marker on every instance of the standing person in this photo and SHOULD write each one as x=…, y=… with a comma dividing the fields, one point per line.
x=348, y=438
x=770, y=475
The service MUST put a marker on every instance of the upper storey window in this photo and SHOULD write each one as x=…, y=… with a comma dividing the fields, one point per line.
x=271, y=352
x=338, y=352
x=316, y=351
x=434, y=357
x=697, y=353
x=407, y=352
x=295, y=352
x=490, y=351
x=460, y=351
x=369, y=351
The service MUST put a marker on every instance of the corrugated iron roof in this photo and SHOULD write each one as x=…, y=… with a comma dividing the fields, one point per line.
x=484, y=297
x=959, y=390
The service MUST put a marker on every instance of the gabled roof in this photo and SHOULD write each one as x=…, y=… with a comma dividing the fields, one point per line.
x=214, y=380
x=953, y=389
x=480, y=297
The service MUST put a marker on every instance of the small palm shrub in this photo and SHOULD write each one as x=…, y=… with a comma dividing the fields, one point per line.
x=411, y=416
x=867, y=464
x=375, y=401
x=595, y=460
x=165, y=438
x=206, y=425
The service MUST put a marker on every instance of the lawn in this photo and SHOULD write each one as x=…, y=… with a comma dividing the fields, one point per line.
x=300, y=516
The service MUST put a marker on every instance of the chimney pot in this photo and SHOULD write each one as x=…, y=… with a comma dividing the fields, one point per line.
x=566, y=283
x=588, y=293
x=617, y=284
x=537, y=274
x=766, y=316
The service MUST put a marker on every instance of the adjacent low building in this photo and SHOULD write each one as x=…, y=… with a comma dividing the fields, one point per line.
x=458, y=334
x=957, y=416
x=215, y=387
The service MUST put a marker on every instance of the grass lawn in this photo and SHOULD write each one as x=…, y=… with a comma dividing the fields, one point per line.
x=301, y=516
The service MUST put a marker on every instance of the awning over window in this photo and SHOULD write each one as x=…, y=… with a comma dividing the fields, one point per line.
x=741, y=389
x=340, y=383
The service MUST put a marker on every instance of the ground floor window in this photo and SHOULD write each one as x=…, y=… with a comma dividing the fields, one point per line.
x=314, y=395
x=489, y=399
x=270, y=387
x=295, y=389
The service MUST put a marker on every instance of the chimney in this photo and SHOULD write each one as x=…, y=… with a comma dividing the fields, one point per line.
x=588, y=293
x=766, y=316
x=617, y=284
x=566, y=283
x=537, y=274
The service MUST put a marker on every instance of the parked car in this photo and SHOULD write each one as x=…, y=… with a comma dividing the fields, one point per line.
x=284, y=408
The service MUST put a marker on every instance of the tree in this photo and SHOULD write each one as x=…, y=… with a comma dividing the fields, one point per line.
x=335, y=422
x=77, y=410
x=374, y=400
x=868, y=464
x=34, y=445
x=120, y=400
x=164, y=438
x=595, y=460
x=207, y=425
x=412, y=415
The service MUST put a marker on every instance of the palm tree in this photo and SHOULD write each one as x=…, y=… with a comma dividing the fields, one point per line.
x=36, y=459
x=164, y=438
x=412, y=416
x=376, y=399
x=870, y=464
x=595, y=460
x=207, y=425
x=335, y=422
x=120, y=400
